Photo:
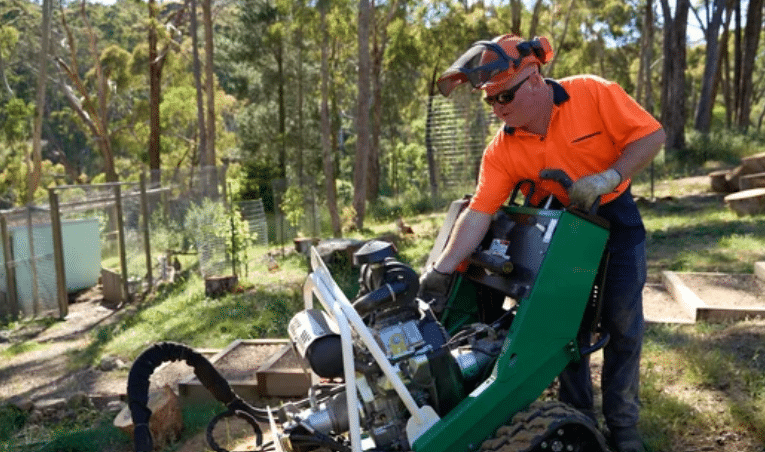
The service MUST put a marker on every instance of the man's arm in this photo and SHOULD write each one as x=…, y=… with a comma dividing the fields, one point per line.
x=635, y=156
x=470, y=229
x=638, y=154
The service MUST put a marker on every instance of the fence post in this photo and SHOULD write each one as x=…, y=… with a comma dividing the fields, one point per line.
x=121, y=241
x=33, y=264
x=10, y=270
x=58, y=253
x=146, y=235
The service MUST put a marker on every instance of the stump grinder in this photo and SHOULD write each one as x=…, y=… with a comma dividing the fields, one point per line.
x=396, y=373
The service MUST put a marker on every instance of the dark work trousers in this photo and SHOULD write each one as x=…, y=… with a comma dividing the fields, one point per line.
x=622, y=318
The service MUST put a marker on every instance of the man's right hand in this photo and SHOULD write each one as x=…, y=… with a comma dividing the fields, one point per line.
x=434, y=289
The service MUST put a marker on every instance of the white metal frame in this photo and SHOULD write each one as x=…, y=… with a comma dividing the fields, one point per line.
x=334, y=301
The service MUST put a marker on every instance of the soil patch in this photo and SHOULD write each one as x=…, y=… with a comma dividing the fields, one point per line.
x=660, y=307
x=726, y=290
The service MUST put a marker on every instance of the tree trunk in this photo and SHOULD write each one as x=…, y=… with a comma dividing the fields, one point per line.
x=299, y=137
x=92, y=113
x=379, y=44
x=209, y=81
x=197, y=68
x=535, y=19
x=282, y=160
x=326, y=128
x=42, y=78
x=646, y=60
x=706, y=99
x=559, y=41
x=673, y=94
x=430, y=151
x=516, y=8
x=362, y=117
x=155, y=79
x=750, y=45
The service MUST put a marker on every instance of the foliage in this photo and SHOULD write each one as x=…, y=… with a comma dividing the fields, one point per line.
x=12, y=419
x=293, y=206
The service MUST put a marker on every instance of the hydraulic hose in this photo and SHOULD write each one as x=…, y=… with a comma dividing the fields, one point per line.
x=138, y=389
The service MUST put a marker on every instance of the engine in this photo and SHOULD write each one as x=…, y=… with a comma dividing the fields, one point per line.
x=437, y=369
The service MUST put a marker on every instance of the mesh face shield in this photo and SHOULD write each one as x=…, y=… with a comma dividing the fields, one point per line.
x=482, y=61
x=485, y=60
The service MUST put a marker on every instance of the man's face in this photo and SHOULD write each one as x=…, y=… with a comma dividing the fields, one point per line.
x=511, y=102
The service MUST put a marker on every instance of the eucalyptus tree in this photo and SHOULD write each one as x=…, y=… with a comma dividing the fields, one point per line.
x=361, y=165
x=42, y=83
x=711, y=27
x=673, y=94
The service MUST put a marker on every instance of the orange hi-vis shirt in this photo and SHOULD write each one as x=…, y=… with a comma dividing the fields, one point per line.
x=591, y=123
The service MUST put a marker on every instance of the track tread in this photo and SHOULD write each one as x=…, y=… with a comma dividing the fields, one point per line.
x=529, y=428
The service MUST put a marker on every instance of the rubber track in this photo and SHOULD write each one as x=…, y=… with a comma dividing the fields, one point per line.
x=529, y=428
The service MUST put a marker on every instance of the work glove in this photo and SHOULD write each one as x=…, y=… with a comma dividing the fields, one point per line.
x=586, y=190
x=434, y=289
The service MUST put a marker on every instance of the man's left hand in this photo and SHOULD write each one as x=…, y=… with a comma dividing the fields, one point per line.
x=586, y=190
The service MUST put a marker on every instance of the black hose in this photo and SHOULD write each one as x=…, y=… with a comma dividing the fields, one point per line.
x=232, y=411
x=138, y=387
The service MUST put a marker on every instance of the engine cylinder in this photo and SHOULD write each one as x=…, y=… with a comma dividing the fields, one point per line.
x=315, y=338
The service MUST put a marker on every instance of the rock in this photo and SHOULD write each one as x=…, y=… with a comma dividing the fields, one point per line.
x=24, y=404
x=109, y=363
x=79, y=400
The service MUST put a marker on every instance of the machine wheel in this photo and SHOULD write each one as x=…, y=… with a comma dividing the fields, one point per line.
x=545, y=427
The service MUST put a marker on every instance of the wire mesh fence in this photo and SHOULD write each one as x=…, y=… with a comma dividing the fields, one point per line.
x=188, y=218
x=254, y=214
x=460, y=128
x=27, y=274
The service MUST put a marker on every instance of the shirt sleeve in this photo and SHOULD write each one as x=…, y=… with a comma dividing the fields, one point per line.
x=624, y=119
x=494, y=180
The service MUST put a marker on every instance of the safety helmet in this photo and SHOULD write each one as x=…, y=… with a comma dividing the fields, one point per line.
x=492, y=63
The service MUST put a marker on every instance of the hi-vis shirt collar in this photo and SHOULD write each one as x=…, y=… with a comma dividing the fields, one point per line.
x=559, y=96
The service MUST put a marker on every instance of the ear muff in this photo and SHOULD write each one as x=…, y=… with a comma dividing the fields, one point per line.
x=539, y=46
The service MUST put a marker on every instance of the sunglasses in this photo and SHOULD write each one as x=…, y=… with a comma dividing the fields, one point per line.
x=507, y=96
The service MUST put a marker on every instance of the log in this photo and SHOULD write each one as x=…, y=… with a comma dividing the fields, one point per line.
x=719, y=182
x=220, y=285
x=753, y=163
x=756, y=180
x=166, y=422
x=747, y=202
x=733, y=177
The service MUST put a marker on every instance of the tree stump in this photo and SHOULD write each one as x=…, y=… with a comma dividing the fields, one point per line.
x=754, y=163
x=220, y=285
x=166, y=422
x=756, y=180
x=747, y=202
x=719, y=182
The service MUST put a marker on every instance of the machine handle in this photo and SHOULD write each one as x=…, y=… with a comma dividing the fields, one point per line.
x=560, y=176
x=604, y=338
x=492, y=262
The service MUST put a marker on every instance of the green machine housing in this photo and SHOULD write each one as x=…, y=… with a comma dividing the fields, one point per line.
x=556, y=256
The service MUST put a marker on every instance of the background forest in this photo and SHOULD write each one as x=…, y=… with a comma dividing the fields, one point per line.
x=334, y=99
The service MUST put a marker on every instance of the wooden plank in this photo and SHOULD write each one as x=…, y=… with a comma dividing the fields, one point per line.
x=682, y=293
x=759, y=269
x=716, y=314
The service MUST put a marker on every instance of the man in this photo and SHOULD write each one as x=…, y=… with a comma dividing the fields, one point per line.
x=591, y=129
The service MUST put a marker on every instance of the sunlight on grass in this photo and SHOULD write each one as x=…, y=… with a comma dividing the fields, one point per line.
x=18, y=348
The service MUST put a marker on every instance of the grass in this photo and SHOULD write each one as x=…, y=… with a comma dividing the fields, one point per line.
x=701, y=384
x=699, y=381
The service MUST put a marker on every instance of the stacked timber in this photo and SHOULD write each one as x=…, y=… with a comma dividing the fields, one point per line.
x=744, y=184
